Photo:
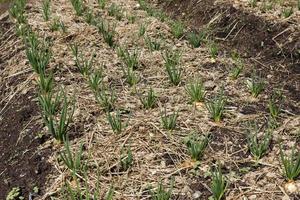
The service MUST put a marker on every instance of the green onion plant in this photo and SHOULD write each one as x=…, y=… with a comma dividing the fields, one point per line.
x=216, y=106
x=290, y=164
x=196, y=91
x=150, y=100
x=196, y=146
x=169, y=121
x=218, y=183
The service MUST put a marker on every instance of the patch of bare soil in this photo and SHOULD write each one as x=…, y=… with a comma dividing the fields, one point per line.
x=23, y=164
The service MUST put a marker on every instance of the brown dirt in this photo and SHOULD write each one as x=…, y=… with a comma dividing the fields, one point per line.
x=23, y=165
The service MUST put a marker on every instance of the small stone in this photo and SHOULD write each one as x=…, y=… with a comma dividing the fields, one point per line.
x=197, y=195
x=269, y=76
x=105, y=79
x=252, y=197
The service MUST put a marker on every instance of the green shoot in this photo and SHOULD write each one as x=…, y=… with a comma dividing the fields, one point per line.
x=130, y=59
x=131, y=77
x=172, y=60
x=253, y=3
x=55, y=25
x=196, y=39
x=258, y=148
x=196, y=91
x=84, y=66
x=149, y=101
x=115, y=122
x=131, y=19
x=14, y=193
x=78, y=6
x=72, y=161
x=107, y=32
x=38, y=54
x=59, y=128
x=142, y=30
x=255, y=85
x=159, y=14
x=126, y=160
x=45, y=83
x=89, y=17
x=216, y=106
x=196, y=146
x=266, y=6
x=274, y=104
x=161, y=193
x=290, y=164
x=17, y=11
x=110, y=194
x=46, y=9
x=287, y=12
x=218, y=184
x=106, y=99
x=49, y=104
x=235, y=72
x=102, y=3
x=169, y=121
x=95, y=80
x=177, y=29
x=115, y=11
x=62, y=26
x=213, y=49
x=152, y=44
x=239, y=66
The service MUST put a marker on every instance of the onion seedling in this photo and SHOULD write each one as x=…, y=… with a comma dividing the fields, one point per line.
x=115, y=11
x=78, y=6
x=38, y=54
x=152, y=44
x=161, y=193
x=290, y=164
x=106, y=99
x=102, y=3
x=287, y=12
x=46, y=9
x=216, y=106
x=149, y=101
x=172, y=60
x=115, y=122
x=130, y=59
x=17, y=11
x=177, y=29
x=218, y=183
x=58, y=125
x=258, y=147
x=169, y=121
x=126, y=160
x=196, y=39
x=72, y=160
x=83, y=65
x=196, y=146
x=45, y=83
x=142, y=30
x=255, y=85
x=196, y=91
